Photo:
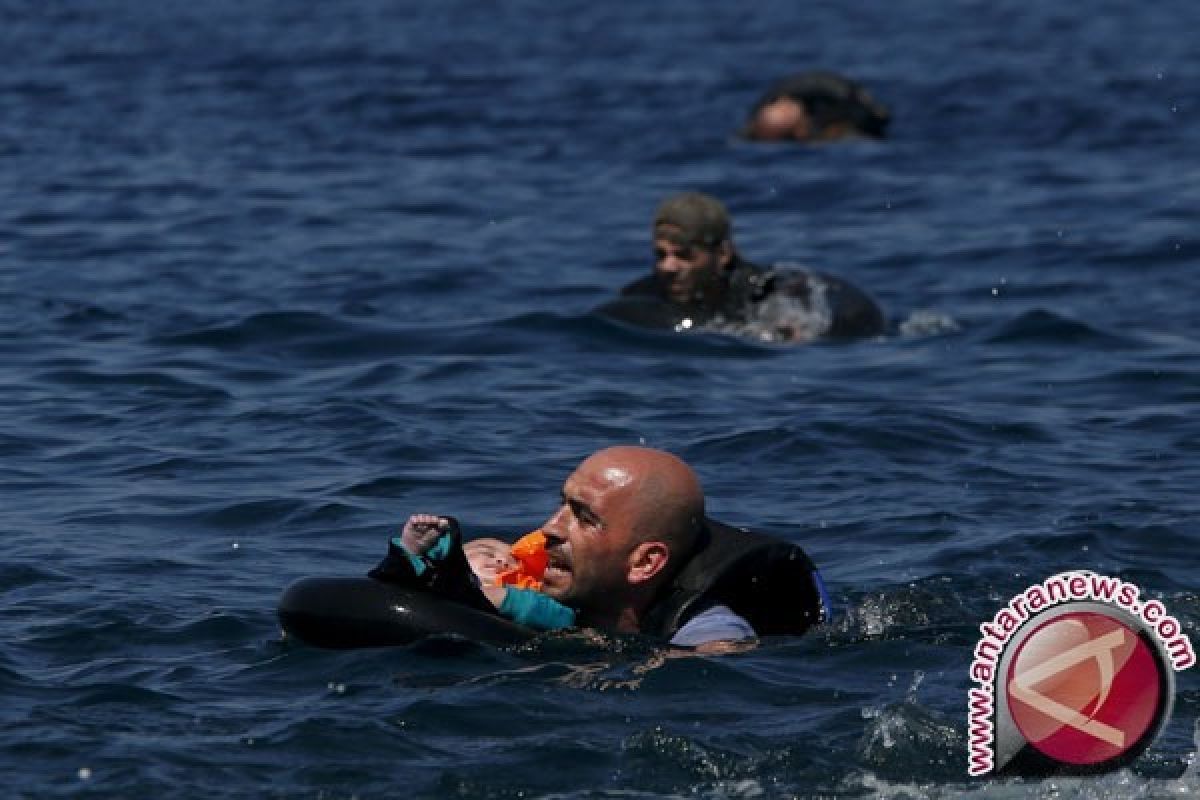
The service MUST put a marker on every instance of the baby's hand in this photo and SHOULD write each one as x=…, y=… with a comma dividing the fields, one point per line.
x=422, y=531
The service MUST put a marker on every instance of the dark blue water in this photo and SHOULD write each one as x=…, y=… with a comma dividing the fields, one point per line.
x=274, y=275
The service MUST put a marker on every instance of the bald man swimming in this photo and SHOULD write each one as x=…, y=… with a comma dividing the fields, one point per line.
x=630, y=550
x=628, y=519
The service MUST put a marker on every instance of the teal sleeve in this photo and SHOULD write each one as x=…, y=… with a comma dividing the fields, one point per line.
x=440, y=549
x=536, y=610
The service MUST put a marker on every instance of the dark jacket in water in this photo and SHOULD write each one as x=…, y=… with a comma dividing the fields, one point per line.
x=769, y=582
x=774, y=304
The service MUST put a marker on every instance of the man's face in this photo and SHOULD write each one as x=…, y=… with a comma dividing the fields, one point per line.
x=782, y=119
x=588, y=539
x=687, y=273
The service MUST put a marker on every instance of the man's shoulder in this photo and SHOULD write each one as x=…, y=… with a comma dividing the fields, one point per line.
x=794, y=278
x=647, y=285
x=640, y=303
x=853, y=312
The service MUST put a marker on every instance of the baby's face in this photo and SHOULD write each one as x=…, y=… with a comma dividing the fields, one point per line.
x=488, y=558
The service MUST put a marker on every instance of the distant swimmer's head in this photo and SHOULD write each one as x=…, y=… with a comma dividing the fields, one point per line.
x=488, y=558
x=693, y=248
x=816, y=107
x=782, y=118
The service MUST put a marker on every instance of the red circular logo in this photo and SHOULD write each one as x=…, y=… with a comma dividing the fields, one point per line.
x=1084, y=688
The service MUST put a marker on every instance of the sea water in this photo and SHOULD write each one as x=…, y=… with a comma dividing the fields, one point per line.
x=275, y=275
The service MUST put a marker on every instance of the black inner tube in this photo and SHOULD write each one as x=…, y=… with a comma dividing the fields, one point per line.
x=345, y=613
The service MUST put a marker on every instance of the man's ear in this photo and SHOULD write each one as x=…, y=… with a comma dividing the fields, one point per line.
x=647, y=560
x=724, y=254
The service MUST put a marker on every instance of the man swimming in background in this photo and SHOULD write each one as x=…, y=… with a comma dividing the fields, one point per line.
x=700, y=281
x=816, y=107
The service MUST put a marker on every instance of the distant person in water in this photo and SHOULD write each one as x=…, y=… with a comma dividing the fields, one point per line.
x=483, y=573
x=816, y=107
x=700, y=281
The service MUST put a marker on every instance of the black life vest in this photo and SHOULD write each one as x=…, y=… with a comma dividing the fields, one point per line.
x=852, y=311
x=771, y=583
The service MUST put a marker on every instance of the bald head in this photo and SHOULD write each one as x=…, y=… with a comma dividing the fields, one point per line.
x=664, y=494
x=629, y=518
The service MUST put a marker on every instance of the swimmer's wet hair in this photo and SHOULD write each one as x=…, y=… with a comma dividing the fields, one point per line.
x=830, y=98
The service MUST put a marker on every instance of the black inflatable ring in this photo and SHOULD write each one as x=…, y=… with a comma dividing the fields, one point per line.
x=344, y=613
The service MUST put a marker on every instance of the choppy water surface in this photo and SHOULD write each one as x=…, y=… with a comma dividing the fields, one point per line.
x=272, y=276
